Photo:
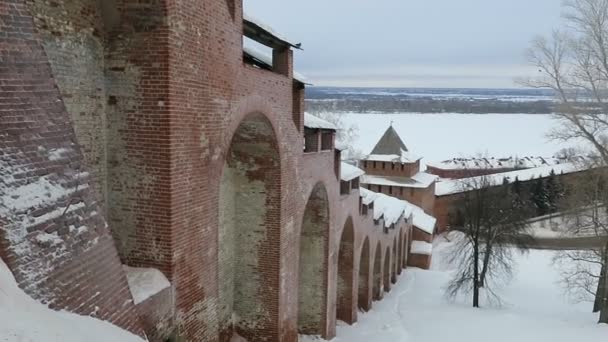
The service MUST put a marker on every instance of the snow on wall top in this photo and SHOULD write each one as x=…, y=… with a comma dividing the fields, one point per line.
x=422, y=247
x=367, y=197
x=392, y=209
x=405, y=157
x=268, y=29
x=425, y=178
x=421, y=180
x=349, y=172
x=449, y=187
x=423, y=221
x=267, y=59
x=311, y=121
x=502, y=163
x=24, y=319
x=145, y=282
x=341, y=146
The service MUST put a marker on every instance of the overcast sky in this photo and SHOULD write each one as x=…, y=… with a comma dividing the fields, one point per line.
x=411, y=43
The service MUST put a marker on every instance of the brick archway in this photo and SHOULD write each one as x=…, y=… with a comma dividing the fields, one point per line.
x=387, y=270
x=249, y=231
x=400, y=252
x=363, y=293
x=312, y=283
x=394, y=262
x=377, y=288
x=407, y=243
x=346, y=259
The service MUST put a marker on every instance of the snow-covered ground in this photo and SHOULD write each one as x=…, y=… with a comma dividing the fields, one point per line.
x=438, y=137
x=23, y=319
x=535, y=309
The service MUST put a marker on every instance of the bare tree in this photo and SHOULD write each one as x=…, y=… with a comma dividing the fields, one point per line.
x=586, y=215
x=492, y=221
x=345, y=135
x=580, y=272
x=574, y=63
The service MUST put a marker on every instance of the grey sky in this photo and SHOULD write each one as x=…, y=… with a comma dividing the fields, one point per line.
x=417, y=43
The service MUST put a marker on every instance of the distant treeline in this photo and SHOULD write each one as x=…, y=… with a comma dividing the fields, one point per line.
x=396, y=100
x=387, y=104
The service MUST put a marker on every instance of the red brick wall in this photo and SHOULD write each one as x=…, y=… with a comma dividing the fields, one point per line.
x=157, y=316
x=444, y=204
x=460, y=173
x=442, y=210
x=177, y=93
x=341, y=208
x=420, y=260
x=52, y=244
x=419, y=235
x=390, y=168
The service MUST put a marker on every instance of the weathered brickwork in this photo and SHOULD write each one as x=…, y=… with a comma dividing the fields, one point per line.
x=346, y=292
x=71, y=34
x=312, y=282
x=198, y=160
x=156, y=315
x=52, y=234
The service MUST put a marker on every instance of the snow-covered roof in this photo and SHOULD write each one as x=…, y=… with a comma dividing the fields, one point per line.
x=341, y=146
x=349, y=172
x=256, y=23
x=404, y=157
x=391, y=209
x=421, y=247
x=449, y=187
x=367, y=197
x=316, y=122
x=424, y=178
x=502, y=163
x=145, y=282
x=421, y=180
x=24, y=319
x=423, y=221
x=266, y=59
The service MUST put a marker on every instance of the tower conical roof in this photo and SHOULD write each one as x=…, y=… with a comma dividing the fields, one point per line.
x=390, y=143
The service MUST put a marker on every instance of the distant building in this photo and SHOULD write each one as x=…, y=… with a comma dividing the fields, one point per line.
x=458, y=168
x=393, y=170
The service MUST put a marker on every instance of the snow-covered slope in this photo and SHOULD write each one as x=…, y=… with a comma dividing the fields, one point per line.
x=534, y=310
x=23, y=319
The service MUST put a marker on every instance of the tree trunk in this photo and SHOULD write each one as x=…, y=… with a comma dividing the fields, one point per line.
x=484, y=267
x=476, y=273
x=604, y=291
x=601, y=287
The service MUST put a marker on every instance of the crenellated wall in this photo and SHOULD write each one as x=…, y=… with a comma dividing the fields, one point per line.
x=143, y=114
